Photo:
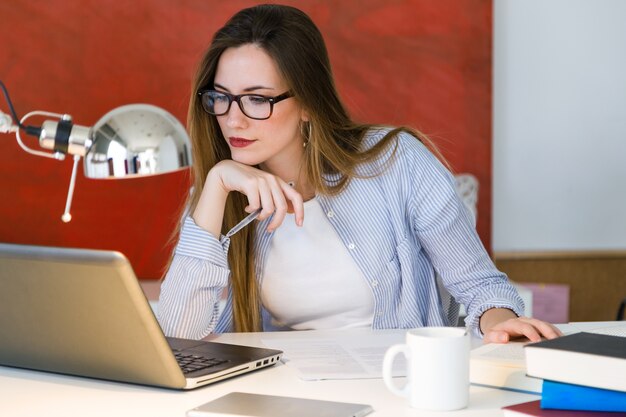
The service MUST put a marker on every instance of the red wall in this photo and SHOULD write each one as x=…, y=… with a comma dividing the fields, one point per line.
x=424, y=63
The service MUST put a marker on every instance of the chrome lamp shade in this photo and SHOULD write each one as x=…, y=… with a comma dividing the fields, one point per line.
x=136, y=140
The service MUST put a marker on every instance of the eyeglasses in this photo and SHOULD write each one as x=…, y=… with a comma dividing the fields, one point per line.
x=255, y=106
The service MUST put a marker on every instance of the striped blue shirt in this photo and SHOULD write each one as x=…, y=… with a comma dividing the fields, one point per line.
x=403, y=224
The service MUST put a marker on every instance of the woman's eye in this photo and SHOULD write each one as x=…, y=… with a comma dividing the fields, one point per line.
x=257, y=100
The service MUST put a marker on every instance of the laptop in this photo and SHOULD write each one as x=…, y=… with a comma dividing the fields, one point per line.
x=82, y=312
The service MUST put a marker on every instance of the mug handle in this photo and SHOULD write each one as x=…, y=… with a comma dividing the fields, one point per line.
x=390, y=355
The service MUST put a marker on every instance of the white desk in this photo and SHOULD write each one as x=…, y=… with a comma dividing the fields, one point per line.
x=32, y=393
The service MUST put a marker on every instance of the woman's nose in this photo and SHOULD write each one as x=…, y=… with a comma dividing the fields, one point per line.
x=235, y=117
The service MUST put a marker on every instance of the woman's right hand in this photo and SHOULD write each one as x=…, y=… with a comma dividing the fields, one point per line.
x=262, y=189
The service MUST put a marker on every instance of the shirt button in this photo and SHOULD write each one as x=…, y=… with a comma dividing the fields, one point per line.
x=330, y=214
x=351, y=246
x=374, y=283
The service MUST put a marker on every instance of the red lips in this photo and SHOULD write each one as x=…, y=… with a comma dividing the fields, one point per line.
x=239, y=142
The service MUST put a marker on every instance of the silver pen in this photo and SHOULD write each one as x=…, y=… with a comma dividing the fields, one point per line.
x=249, y=218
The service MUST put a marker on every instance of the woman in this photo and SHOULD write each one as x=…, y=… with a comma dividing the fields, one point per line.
x=383, y=220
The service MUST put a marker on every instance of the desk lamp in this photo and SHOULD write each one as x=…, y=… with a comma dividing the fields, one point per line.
x=129, y=141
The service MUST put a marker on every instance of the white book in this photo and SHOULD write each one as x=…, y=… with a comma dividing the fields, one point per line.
x=502, y=366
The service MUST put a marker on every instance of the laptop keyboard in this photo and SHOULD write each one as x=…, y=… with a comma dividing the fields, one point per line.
x=191, y=362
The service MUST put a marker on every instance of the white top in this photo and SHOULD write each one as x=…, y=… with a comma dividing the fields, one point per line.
x=310, y=280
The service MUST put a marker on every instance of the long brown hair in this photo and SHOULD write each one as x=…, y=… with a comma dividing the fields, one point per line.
x=293, y=41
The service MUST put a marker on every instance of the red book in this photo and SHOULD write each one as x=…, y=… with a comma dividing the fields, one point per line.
x=533, y=409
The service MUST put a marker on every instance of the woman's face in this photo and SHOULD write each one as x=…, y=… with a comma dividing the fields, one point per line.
x=271, y=143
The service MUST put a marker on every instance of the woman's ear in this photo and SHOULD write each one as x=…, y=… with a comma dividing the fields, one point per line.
x=304, y=116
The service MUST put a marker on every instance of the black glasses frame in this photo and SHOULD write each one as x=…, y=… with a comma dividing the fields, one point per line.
x=238, y=97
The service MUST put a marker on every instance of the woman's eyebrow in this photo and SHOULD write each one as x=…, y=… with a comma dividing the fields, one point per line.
x=247, y=89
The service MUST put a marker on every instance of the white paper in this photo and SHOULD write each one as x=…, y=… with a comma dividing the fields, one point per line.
x=340, y=357
x=511, y=353
x=614, y=328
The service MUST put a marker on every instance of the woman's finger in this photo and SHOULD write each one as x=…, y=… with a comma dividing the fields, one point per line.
x=267, y=199
x=496, y=336
x=533, y=329
x=296, y=201
x=546, y=329
x=527, y=329
x=280, y=204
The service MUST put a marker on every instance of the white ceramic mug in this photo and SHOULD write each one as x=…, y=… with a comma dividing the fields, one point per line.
x=437, y=368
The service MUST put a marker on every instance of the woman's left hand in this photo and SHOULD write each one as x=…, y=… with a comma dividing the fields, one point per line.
x=501, y=325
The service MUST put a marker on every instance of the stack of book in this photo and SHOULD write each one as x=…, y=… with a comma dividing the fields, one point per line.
x=583, y=374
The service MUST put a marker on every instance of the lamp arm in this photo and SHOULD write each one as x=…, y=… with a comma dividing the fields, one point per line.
x=7, y=121
x=13, y=113
x=67, y=217
x=61, y=137
x=6, y=124
x=56, y=155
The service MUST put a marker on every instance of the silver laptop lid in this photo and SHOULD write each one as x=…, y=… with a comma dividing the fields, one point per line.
x=80, y=312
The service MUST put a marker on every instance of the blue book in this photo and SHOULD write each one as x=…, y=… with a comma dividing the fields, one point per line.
x=562, y=396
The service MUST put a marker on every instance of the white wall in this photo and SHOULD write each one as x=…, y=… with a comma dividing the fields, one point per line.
x=559, y=150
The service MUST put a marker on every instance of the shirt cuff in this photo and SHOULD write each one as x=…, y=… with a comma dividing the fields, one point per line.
x=196, y=242
x=472, y=321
